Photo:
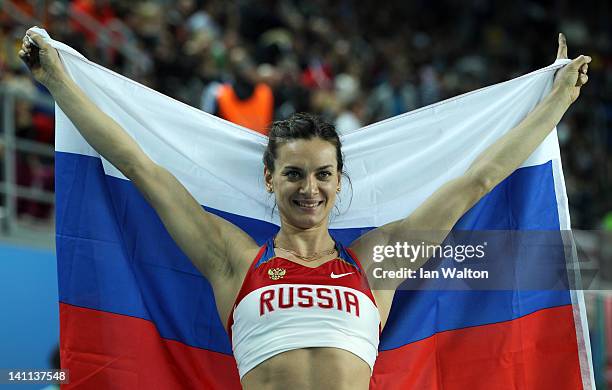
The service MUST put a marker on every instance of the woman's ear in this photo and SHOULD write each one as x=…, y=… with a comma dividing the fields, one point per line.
x=268, y=180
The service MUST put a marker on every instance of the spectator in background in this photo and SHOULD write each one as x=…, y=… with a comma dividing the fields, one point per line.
x=395, y=95
x=351, y=112
x=101, y=11
x=245, y=100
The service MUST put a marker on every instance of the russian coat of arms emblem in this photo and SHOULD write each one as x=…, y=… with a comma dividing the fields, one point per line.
x=276, y=273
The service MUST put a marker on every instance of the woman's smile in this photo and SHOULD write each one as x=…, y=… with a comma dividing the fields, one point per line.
x=309, y=206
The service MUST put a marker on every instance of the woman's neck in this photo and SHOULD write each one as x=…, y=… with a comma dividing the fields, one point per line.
x=304, y=242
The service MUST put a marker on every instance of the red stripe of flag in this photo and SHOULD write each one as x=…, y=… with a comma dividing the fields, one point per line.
x=496, y=356
x=111, y=351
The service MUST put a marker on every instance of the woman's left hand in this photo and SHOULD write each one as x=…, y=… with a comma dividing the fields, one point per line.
x=572, y=76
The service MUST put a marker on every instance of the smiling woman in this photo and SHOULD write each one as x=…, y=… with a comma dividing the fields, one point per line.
x=303, y=166
x=299, y=309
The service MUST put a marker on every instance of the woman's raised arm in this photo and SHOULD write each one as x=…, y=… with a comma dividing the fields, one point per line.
x=204, y=237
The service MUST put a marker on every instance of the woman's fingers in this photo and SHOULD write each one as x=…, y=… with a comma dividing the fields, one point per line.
x=562, y=50
x=36, y=39
x=25, y=45
x=581, y=65
x=25, y=57
x=28, y=46
x=584, y=68
x=579, y=62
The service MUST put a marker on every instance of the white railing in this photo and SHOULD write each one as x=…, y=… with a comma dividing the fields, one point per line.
x=11, y=144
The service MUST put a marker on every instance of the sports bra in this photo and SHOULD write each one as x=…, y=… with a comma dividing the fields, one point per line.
x=283, y=305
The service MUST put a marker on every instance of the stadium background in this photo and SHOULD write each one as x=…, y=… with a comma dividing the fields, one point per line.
x=353, y=62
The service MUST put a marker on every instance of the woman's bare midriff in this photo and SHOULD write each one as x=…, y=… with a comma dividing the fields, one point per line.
x=310, y=368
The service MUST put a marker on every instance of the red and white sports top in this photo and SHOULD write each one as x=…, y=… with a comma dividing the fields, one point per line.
x=284, y=305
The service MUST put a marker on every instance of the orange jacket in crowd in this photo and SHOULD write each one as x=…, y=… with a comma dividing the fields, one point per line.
x=254, y=113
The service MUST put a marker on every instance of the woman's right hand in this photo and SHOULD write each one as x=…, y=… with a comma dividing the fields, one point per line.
x=42, y=59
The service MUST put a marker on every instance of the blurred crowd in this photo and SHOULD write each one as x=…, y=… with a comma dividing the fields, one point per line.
x=353, y=62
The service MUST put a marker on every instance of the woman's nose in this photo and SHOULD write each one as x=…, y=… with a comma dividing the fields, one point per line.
x=309, y=186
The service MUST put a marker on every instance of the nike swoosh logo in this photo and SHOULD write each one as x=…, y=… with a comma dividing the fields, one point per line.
x=336, y=276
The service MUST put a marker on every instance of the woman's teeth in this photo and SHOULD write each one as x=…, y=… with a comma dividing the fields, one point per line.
x=310, y=205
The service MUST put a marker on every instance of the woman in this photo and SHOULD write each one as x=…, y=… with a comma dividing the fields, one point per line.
x=299, y=309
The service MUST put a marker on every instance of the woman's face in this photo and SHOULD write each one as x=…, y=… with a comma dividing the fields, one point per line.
x=305, y=182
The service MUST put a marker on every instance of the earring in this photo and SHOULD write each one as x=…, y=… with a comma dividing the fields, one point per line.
x=270, y=190
x=338, y=190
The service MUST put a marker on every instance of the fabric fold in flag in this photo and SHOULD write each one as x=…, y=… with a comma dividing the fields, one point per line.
x=135, y=313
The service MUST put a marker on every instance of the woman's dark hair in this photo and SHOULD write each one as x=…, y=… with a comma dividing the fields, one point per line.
x=301, y=126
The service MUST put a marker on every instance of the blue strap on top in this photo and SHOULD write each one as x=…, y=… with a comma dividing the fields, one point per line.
x=269, y=253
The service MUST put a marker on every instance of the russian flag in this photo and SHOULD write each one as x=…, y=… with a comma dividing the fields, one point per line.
x=136, y=314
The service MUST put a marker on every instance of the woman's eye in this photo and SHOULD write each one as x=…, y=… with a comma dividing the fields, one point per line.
x=324, y=174
x=292, y=174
